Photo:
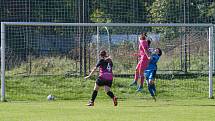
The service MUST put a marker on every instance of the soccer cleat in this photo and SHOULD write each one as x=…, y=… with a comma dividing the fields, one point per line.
x=134, y=83
x=115, y=101
x=139, y=89
x=91, y=103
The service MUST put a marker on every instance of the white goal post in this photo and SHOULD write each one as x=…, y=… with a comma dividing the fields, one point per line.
x=3, y=36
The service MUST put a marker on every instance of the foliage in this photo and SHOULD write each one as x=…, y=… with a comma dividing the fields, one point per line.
x=207, y=12
x=159, y=11
x=163, y=11
x=99, y=17
x=45, y=66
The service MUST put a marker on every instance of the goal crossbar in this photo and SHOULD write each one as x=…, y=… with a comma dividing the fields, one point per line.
x=108, y=24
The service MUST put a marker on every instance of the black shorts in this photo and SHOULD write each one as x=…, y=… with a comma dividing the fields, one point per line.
x=101, y=82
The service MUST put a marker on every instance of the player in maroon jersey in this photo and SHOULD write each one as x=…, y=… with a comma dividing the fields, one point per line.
x=105, y=78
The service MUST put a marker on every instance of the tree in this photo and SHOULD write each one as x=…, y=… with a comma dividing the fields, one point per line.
x=98, y=16
x=211, y=12
x=164, y=11
x=207, y=12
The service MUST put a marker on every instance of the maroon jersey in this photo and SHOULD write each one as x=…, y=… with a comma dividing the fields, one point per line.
x=105, y=69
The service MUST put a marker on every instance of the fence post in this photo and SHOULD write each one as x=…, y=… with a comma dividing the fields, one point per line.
x=2, y=62
x=210, y=62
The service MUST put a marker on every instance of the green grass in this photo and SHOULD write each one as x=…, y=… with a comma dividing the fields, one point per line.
x=179, y=99
x=71, y=88
x=127, y=110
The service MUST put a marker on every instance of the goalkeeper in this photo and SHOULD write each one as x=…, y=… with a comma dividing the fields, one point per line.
x=150, y=72
x=143, y=61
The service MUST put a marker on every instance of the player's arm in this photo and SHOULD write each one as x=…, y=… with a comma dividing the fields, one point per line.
x=146, y=52
x=92, y=71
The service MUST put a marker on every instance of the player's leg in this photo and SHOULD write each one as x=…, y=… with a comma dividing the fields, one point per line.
x=93, y=96
x=134, y=82
x=151, y=88
x=95, y=92
x=153, y=82
x=107, y=87
x=140, y=87
x=142, y=77
x=151, y=85
x=142, y=68
x=147, y=75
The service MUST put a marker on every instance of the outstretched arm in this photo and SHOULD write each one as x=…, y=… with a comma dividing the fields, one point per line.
x=93, y=70
x=146, y=52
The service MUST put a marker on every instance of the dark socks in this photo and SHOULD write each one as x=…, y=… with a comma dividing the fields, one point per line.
x=150, y=90
x=154, y=88
x=109, y=93
x=94, y=95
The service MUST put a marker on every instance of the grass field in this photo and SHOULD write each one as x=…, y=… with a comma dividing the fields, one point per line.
x=127, y=110
x=71, y=88
x=179, y=99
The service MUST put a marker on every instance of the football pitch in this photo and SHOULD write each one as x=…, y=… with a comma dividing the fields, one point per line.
x=128, y=110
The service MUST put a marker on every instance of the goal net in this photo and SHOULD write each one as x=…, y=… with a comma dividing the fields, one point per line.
x=71, y=49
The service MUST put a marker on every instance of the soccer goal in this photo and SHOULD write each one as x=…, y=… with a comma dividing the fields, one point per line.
x=71, y=49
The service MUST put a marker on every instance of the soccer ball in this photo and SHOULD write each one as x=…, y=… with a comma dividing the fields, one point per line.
x=50, y=97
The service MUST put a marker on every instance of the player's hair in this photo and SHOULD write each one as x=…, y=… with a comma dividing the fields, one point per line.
x=143, y=36
x=144, y=33
x=160, y=51
x=109, y=60
x=103, y=53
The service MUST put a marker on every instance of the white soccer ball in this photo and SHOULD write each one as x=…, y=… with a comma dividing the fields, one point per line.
x=50, y=97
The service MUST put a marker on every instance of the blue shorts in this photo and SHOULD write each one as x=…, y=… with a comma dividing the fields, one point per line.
x=149, y=75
